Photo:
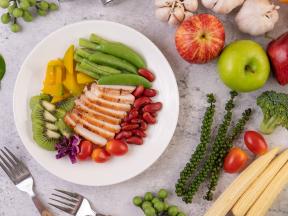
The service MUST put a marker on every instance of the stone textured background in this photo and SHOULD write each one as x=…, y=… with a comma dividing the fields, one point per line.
x=194, y=82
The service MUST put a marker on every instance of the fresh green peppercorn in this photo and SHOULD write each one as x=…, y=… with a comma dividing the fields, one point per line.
x=43, y=5
x=4, y=3
x=24, y=4
x=148, y=196
x=17, y=12
x=145, y=204
x=173, y=211
x=27, y=16
x=11, y=8
x=5, y=18
x=41, y=12
x=149, y=211
x=53, y=6
x=159, y=206
x=163, y=194
x=15, y=27
x=181, y=214
x=137, y=201
x=155, y=199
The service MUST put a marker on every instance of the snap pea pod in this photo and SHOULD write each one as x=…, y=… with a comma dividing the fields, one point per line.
x=88, y=72
x=125, y=79
x=78, y=58
x=101, y=69
x=2, y=67
x=106, y=59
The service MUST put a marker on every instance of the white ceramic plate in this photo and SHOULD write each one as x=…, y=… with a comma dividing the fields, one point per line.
x=139, y=158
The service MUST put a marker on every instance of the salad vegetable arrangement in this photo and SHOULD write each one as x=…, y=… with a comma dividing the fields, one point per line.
x=94, y=102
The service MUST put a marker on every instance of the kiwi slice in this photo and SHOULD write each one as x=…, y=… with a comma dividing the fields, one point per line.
x=39, y=112
x=48, y=106
x=66, y=104
x=60, y=113
x=44, y=137
x=51, y=126
x=64, y=129
x=36, y=100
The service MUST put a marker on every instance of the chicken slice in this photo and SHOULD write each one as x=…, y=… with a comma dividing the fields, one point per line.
x=80, y=106
x=88, y=135
x=114, y=89
x=99, y=123
x=69, y=121
x=100, y=131
x=106, y=111
x=105, y=103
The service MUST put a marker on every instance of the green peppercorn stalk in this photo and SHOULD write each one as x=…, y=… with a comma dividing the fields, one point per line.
x=215, y=173
x=216, y=149
x=201, y=149
x=16, y=9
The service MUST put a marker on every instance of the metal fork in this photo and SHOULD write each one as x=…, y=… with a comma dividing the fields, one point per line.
x=21, y=177
x=74, y=204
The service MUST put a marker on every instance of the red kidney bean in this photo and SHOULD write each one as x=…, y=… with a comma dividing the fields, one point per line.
x=146, y=74
x=153, y=107
x=136, y=121
x=139, y=133
x=150, y=92
x=143, y=126
x=133, y=114
x=135, y=140
x=123, y=135
x=141, y=102
x=124, y=124
x=149, y=118
x=138, y=91
x=130, y=127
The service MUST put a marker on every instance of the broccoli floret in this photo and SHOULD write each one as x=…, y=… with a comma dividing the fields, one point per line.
x=275, y=110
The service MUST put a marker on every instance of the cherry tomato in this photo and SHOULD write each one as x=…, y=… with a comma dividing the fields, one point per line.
x=255, y=142
x=100, y=155
x=116, y=147
x=235, y=160
x=86, y=148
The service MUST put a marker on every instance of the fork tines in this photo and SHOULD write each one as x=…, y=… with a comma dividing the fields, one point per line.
x=12, y=166
x=70, y=201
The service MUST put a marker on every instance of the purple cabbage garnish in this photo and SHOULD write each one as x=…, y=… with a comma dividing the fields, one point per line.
x=68, y=146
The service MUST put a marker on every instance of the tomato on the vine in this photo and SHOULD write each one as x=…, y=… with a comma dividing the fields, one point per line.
x=235, y=160
x=86, y=148
x=255, y=142
x=116, y=147
x=100, y=155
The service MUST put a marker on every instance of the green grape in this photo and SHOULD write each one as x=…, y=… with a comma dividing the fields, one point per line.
x=181, y=214
x=163, y=194
x=148, y=196
x=42, y=12
x=43, y=5
x=4, y=3
x=32, y=2
x=145, y=204
x=173, y=210
x=15, y=27
x=11, y=8
x=137, y=201
x=159, y=206
x=17, y=12
x=27, y=16
x=53, y=7
x=150, y=211
x=24, y=4
x=155, y=199
x=5, y=18
x=166, y=206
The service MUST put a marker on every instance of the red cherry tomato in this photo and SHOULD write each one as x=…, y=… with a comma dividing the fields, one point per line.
x=116, y=147
x=255, y=142
x=86, y=148
x=235, y=160
x=100, y=155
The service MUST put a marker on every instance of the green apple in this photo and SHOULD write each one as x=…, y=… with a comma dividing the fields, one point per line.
x=244, y=66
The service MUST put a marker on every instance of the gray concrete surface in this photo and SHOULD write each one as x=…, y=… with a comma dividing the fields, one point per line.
x=194, y=82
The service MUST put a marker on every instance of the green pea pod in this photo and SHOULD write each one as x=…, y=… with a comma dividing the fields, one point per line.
x=2, y=67
x=78, y=58
x=101, y=69
x=125, y=79
x=90, y=73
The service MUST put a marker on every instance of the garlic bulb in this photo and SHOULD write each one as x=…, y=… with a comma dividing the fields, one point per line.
x=257, y=17
x=222, y=6
x=175, y=11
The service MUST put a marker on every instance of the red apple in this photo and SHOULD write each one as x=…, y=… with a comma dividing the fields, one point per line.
x=200, y=38
x=278, y=53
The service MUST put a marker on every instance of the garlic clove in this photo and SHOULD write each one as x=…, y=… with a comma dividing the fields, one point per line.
x=179, y=13
x=163, y=13
x=191, y=5
x=164, y=3
x=222, y=6
x=173, y=20
x=187, y=14
x=209, y=3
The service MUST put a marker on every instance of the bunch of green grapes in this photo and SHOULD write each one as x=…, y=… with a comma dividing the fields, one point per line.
x=24, y=9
